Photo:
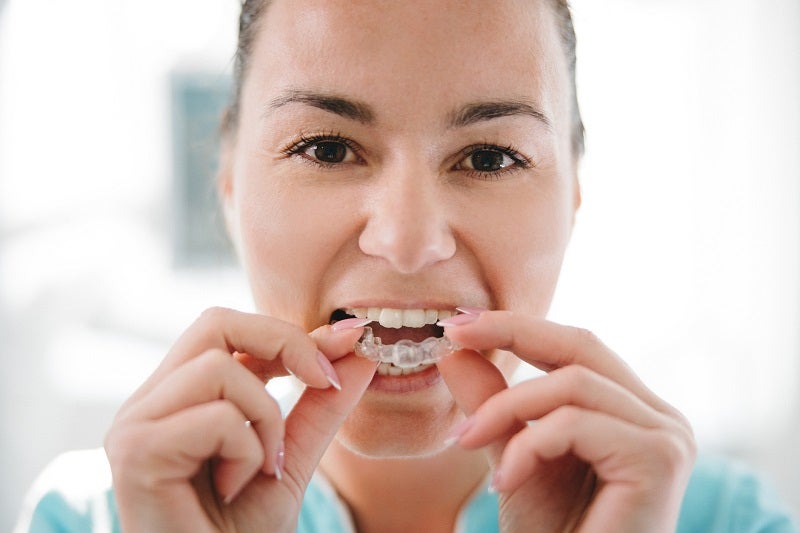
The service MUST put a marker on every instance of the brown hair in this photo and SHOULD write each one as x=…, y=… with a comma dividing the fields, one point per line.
x=248, y=29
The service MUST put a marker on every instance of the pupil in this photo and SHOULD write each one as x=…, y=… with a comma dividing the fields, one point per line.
x=330, y=152
x=487, y=160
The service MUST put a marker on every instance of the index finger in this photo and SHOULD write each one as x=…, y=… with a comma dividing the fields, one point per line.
x=260, y=337
x=548, y=346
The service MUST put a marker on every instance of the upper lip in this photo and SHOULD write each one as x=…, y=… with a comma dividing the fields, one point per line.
x=419, y=304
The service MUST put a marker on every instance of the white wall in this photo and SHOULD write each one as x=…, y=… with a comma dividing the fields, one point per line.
x=685, y=257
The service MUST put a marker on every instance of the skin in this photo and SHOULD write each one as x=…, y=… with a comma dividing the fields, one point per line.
x=399, y=220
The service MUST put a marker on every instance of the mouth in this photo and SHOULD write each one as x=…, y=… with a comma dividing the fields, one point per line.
x=405, y=341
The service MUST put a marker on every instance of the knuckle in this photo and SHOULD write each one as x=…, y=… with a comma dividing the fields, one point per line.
x=129, y=451
x=214, y=315
x=214, y=362
x=576, y=377
x=588, y=337
x=227, y=414
x=568, y=415
x=674, y=453
x=207, y=326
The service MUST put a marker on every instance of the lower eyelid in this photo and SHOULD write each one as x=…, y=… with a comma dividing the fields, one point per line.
x=496, y=175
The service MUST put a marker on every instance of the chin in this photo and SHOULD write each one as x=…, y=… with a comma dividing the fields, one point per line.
x=381, y=431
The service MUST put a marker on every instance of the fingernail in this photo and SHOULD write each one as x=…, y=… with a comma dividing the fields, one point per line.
x=280, y=459
x=329, y=371
x=471, y=310
x=458, y=431
x=497, y=478
x=457, y=320
x=350, y=323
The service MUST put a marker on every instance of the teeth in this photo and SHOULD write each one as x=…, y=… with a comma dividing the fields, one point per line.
x=391, y=318
x=414, y=318
x=432, y=316
x=399, y=318
x=388, y=369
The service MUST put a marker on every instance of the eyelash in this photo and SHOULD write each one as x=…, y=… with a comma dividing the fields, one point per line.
x=519, y=161
x=307, y=141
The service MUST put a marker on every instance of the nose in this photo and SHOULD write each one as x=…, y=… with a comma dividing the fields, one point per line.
x=407, y=225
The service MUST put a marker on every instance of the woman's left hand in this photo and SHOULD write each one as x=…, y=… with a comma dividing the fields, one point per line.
x=587, y=447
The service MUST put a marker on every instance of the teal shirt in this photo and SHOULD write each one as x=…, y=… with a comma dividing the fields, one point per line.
x=74, y=495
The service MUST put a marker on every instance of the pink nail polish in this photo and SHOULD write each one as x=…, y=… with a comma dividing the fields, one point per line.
x=457, y=320
x=328, y=370
x=280, y=460
x=350, y=323
x=470, y=310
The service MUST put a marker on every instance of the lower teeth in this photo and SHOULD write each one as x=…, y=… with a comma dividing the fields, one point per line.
x=388, y=369
x=405, y=356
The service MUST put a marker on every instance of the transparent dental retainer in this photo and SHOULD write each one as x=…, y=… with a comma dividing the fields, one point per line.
x=404, y=353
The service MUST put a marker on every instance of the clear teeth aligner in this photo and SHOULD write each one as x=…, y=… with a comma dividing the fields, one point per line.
x=404, y=353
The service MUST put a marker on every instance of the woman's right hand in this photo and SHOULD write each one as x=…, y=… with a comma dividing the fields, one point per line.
x=200, y=445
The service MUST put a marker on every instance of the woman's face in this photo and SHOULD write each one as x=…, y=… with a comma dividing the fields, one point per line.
x=403, y=155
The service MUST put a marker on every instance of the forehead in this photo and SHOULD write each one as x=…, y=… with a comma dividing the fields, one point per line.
x=424, y=54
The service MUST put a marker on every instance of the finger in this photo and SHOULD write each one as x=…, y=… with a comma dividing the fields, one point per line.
x=619, y=451
x=317, y=416
x=548, y=346
x=173, y=449
x=472, y=380
x=331, y=345
x=572, y=385
x=336, y=344
x=258, y=337
x=216, y=376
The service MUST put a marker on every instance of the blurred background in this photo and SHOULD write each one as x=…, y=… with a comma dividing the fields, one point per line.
x=685, y=259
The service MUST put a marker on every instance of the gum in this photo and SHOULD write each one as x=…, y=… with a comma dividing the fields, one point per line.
x=404, y=353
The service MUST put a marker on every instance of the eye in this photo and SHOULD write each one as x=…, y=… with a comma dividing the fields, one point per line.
x=488, y=161
x=329, y=152
x=325, y=150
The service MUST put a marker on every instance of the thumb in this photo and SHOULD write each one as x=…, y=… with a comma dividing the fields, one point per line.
x=317, y=416
x=473, y=379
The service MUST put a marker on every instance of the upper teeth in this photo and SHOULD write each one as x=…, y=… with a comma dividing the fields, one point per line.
x=398, y=318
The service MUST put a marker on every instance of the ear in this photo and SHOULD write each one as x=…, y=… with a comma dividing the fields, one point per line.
x=576, y=193
x=225, y=189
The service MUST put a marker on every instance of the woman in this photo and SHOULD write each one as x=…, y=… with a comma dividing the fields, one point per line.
x=395, y=164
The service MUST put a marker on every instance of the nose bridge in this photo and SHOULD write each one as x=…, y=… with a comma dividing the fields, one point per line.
x=407, y=225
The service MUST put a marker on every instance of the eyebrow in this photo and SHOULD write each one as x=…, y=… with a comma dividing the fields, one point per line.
x=361, y=112
x=353, y=110
x=480, y=111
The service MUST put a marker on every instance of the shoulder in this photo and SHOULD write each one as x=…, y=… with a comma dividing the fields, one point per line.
x=73, y=493
x=724, y=496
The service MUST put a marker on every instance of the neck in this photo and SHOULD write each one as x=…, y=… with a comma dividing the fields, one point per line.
x=408, y=494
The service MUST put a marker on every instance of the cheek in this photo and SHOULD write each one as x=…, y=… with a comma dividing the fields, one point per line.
x=521, y=249
x=287, y=239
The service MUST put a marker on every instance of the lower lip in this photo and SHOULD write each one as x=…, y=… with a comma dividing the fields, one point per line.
x=408, y=383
